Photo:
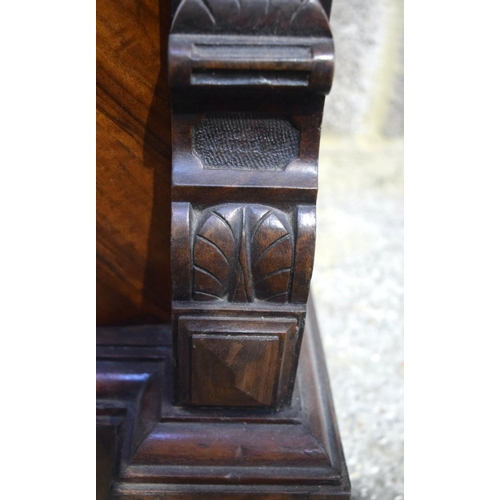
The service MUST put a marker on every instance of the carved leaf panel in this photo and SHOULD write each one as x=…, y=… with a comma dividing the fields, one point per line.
x=214, y=256
x=272, y=258
x=243, y=253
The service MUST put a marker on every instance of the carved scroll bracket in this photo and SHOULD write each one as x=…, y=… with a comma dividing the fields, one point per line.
x=248, y=81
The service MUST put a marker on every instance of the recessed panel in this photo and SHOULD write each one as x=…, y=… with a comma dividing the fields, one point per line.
x=239, y=141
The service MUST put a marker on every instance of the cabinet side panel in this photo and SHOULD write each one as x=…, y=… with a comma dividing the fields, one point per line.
x=133, y=164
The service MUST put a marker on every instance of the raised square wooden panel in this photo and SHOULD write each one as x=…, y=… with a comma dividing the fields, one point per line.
x=235, y=361
x=241, y=369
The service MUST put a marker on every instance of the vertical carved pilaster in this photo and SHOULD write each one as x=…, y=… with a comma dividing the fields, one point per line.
x=248, y=80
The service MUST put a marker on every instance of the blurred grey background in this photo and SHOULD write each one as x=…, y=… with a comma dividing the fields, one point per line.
x=358, y=273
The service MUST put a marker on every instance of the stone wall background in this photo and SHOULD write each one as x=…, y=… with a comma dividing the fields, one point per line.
x=367, y=93
x=358, y=274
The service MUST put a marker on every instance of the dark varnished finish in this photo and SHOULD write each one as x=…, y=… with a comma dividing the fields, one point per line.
x=133, y=162
x=250, y=369
x=243, y=253
x=167, y=452
x=209, y=115
x=248, y=80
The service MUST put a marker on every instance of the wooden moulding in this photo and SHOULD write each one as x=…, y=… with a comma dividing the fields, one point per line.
x=165, y=452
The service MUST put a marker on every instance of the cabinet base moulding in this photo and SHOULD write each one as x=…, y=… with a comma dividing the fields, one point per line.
x=163, y=451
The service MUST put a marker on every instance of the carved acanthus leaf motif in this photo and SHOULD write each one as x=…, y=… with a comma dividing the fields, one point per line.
x=300, y=17
x=243, y=253
x=272, y=258
x=213, y=258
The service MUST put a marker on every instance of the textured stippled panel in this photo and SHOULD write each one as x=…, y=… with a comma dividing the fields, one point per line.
x=245, y=142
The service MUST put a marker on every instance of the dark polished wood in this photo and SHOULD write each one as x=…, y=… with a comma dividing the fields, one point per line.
x=208, y=128
x=248, y=81
x=164, y=451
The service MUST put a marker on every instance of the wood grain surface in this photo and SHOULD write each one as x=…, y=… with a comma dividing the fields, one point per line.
x=133, y=163
x=170, y=452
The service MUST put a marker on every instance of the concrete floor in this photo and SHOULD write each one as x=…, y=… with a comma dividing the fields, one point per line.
x=358, y=289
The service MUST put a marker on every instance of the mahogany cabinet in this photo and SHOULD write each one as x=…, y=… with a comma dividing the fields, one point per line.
x=211, y=380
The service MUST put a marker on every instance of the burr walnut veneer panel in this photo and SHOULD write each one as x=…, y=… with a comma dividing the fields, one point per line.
x=133, y=163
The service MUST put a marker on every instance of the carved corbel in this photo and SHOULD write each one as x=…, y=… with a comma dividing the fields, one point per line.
x=248, y=79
